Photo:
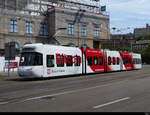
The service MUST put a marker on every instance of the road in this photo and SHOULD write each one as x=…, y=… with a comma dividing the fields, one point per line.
x=127, y=91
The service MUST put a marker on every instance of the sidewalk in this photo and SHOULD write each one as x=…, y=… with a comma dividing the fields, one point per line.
x=4, y=75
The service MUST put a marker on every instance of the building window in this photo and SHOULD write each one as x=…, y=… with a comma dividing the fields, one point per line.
x=13, y=26
x=96, y=31
x=43, y=29
x=28, y=27
x=84, y=30
x=71, y=29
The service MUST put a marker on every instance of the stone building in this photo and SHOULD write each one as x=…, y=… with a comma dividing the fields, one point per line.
x=50, y=22
x=119, y=40
x=142, y=31
x=138, y=32
x=80, y=27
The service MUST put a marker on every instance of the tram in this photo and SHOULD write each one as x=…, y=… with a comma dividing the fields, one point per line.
x=43, y=60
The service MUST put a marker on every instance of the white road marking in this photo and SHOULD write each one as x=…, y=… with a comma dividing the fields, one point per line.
x=62, y=93
x=73, y=91
x=109, y=103
x=40, y=97
x=2, y=103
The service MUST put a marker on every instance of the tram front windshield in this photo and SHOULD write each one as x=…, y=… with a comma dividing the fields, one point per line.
x=31, y=59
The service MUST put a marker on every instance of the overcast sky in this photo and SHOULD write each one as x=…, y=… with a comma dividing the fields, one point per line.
x=127, y=13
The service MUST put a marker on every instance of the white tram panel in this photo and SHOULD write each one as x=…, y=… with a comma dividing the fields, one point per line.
x=43, y=70
x=66, y=70
x=137, y=60
x=114, y=66
x=31, y=71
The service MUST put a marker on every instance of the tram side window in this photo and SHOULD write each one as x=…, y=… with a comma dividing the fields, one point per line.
x=60, y=61
x=127, y=61
x=140, y=61
x=77, y=61
x=69, y=60
x=118, y=60
x=89, y=60
x=50, y=60
x=101, y=60
x=134, y=61
x=114, y=61
x=95, y=60
x=109, y=60
x=124, y=60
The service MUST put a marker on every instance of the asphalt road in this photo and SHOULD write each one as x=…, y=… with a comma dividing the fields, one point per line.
x=127, y=91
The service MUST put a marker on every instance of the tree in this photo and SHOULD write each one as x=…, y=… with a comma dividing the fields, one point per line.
x=144, y=37
x=146, y=54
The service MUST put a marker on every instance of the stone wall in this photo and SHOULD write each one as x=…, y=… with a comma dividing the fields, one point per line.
x=20, y=37
x=60, y=17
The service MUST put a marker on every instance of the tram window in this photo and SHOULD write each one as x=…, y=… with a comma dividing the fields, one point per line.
x=60, y=61
x=109, y=60
x=118, y=60
x=38, y=60
x=124, y=60
x=137, y=61
x=50, y=60
x=134, y=61
x=95, y=60
x=100, y=60
x=140, y=61
x=77, y=60
x=69, y=60
x=127, y=61
x=89, y=60
x=114, y=61
x=31, y=59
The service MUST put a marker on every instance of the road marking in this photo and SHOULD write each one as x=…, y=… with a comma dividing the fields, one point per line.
x=2, y=103
x=112, y=102
x=66, y=92
x=73, y=91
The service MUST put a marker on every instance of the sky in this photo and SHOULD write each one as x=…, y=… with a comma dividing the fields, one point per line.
x=125, y=15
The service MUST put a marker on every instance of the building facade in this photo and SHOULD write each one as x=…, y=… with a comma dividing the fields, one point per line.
x=141, y=44
x=79, y=27
x=44, y=21
x=119, y=40
x=142, y=31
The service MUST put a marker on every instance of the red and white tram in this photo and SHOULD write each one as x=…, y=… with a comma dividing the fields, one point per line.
x=41, y=60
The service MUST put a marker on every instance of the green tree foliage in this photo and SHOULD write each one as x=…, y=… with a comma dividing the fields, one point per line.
x=146, y=55
x=117, y=48
x=145, y=37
